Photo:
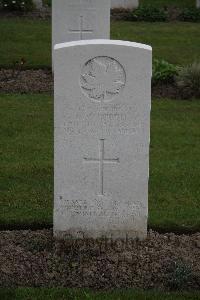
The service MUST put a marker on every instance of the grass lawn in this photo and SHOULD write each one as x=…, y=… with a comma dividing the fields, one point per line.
x=25, y=38
x=27, y=159
x=61, y=294
x=27, y=162
x=178, y=3
x=176, y=42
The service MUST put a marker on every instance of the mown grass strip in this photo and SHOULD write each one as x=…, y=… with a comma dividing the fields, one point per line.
x=176, y=42
x=75, y=294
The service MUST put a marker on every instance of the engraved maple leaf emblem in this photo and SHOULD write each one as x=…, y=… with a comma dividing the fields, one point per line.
x=103, y=79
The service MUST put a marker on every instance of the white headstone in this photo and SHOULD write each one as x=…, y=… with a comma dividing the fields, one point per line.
x=198, y=3
x=74, y=20
x=102, y=134
x=124, y=3
x=38, y=4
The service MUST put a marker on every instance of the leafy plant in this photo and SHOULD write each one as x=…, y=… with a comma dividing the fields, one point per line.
x=179, y=275
x=163, y=72
x=17, y=67
x=150, y=14
x=190, y=15
x=188, y=80
x=18, y=5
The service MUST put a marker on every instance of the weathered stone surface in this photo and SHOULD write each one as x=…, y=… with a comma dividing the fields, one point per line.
x=124, y=3
x=74, y=20
x=102, y=133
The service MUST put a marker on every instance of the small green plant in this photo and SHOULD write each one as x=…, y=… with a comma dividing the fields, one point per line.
x=188, y=80
x=17, y=67
x=190, y=15
x=163, y=72
x=150, y=14
x=179, y=275
x=16, y=5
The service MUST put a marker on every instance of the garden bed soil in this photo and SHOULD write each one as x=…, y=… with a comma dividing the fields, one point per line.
x=28, y=81
x=36, y=14
x=167, y=91
x=124, y=14
x=41, y=81
x=162, y=261
x=116, y=14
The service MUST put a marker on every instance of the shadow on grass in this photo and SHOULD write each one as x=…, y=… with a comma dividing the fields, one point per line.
x=160, y=229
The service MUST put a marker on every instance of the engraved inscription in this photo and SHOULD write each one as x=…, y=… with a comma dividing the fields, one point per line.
x=81, y=30
x=106, y=121
x=81, y=3
x=102, y=205
x=101, y=161
x=102, y=79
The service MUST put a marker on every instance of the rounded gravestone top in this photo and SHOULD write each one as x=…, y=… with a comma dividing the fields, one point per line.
x=102, y=79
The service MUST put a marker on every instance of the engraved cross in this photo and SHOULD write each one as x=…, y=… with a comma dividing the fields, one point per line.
x=101, y=161
x=81, y=29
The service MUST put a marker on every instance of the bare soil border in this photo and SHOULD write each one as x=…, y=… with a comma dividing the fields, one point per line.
x=162, y=261
x=41, y=81
x=116, y=14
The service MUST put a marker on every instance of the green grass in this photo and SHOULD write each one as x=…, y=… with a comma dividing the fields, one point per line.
x=27, y=162
x=177, y=3
x=29, y=39
x=26, y=137
x=174, y=165
x=176, y=42
x=61, y=294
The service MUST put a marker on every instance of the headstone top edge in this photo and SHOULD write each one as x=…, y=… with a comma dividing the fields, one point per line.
x=102, y=42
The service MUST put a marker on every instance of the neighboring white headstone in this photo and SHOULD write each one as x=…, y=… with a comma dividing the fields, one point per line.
x=74, y=20
x=124, y=3
x=38, y=4
x=102, y=134
x=198, y=3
